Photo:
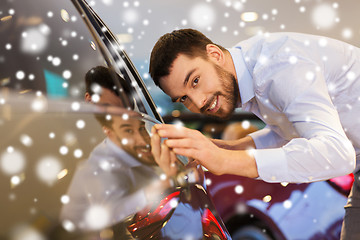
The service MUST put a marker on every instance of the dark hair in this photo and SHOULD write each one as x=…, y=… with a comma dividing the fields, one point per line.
x=100, y=75
x=189, y=42
x=104, y=77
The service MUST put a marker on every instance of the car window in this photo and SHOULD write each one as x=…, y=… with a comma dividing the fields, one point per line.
x=75, y=156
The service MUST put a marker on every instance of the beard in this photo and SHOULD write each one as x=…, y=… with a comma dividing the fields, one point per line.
x=230, y=92
x=147, y=159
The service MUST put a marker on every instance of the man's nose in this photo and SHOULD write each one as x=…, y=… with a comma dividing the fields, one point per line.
x=139, y=139
x=199, y=100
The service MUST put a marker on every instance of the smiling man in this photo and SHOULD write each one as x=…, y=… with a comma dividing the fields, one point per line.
x=224, y=92
x=304, y=87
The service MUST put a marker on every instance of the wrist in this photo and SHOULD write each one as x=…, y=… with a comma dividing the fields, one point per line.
x=241, y=163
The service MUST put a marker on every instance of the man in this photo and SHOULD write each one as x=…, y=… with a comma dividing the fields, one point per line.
x=305, y=88
x=120, y=176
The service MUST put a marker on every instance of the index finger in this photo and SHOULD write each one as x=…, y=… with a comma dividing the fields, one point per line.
x=174, y=131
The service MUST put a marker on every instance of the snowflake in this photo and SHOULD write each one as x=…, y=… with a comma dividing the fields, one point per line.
x=56, y=61
x=12, y=161
x=347, y=33
x=324, y=15
x=322, y=42
x=174, y=203
x=48, y=168
x=75, y=57
x=245, y=124
x=63, y=150
x=20, y=75
x=66, y=74
x=80, y=124
x=65, y=199
x=239, y=189
x=97, y=217
x=293, y=59
x=287, y=204
x=68, y=225
x=25, y=232
x=26, y=140
x=208, y=182
x=202, y=15
x=78, y=153
x=15, y=180
x=8, y=46
x=75, y=106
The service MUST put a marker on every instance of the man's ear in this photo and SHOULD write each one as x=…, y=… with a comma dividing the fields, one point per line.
x=111, y=135
x=108, y=132
x=215, y=54
x=87, y=97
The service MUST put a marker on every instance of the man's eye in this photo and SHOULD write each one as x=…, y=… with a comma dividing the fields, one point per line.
x=195, y=82
x=129, y=131
x=183, y=98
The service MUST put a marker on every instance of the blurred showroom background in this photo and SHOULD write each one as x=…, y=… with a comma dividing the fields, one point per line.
x=139, y=23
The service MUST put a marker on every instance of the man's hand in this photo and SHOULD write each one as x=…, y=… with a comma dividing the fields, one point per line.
x=165, y=158
x=193, y=144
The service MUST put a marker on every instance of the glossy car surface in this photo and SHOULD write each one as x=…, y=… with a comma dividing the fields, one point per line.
x=280, y=211
x=76, y=169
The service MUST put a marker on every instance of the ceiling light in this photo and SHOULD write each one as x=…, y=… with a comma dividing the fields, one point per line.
x=249, y=16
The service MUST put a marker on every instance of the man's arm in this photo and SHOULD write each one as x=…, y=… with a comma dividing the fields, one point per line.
x=244, y=143
x=193, y=144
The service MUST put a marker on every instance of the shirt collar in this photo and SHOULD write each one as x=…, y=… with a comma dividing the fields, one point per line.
x=243, y=75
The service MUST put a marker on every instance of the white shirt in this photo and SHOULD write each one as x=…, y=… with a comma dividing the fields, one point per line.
x=110, y=182
x=307, y=90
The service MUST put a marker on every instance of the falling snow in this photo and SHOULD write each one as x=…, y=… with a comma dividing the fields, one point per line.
x=97, y=217
x=63, y=150
x=239, y=189
x=226, y=20
x=78, y=153
x=12, y=161
x=324, y=16
x=48, y=168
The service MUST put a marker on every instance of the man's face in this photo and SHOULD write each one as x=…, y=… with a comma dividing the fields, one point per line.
x=131, y=135
x=202, y=86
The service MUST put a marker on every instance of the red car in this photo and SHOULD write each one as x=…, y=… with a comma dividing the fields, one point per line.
x=256, y=210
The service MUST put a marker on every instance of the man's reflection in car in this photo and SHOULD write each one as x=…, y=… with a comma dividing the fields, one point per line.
x=128, y=132
x=121, y=186
x=100, y=87
x=120, y=177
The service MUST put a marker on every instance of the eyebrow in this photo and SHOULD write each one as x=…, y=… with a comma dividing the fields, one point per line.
x=125, y=125
x=174, y=99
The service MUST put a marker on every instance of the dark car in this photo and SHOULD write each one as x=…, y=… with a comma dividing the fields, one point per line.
x=75, y=154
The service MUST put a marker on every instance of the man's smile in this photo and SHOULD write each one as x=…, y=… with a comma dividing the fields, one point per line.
x=213, y=105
